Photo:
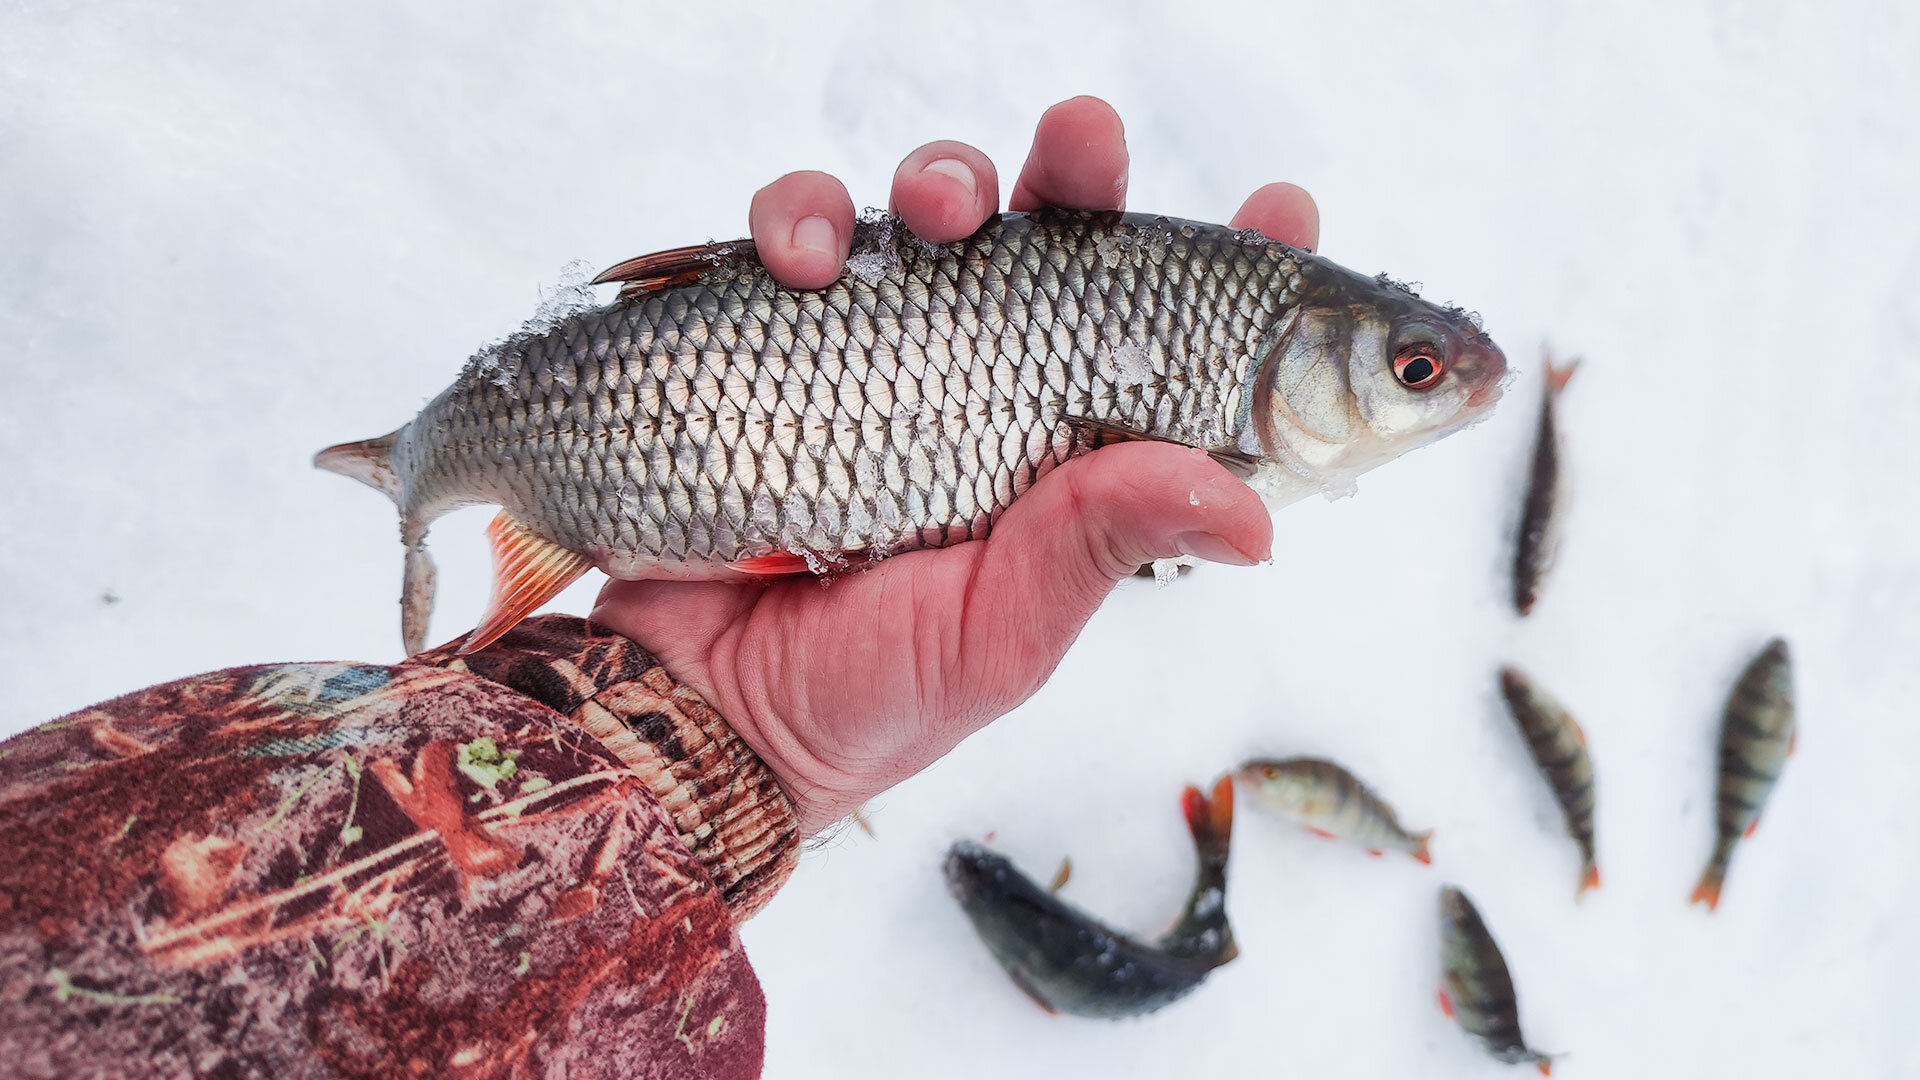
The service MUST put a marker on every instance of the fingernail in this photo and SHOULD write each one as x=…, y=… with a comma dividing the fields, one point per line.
x=955, y=168
x=816, y=233
x=1205, y=545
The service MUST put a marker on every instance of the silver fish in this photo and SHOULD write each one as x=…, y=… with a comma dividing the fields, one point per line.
x=1539, y=542
x=1757, y=734
x=1476, y=990
x=1331, y=802
x=1559, y=747
x=711, y=423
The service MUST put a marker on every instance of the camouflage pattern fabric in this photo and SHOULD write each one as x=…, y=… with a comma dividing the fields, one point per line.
x=433, y=868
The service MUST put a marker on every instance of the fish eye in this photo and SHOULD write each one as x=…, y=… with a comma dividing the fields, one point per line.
x=1418, y=365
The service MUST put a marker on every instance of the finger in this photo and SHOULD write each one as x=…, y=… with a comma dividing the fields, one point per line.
x=1283, y=212
x=944, y=191
x=802, y=225
x=1062, y=546
x=676, y=621
x=1078, y=160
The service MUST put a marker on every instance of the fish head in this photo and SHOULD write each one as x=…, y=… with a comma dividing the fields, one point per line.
x=1277, y=786
x=1362, y=370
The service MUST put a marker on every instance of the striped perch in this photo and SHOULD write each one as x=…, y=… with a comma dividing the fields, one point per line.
x=1756, y=737
x=1476, y=990
x=1559, y=745
x=1331, y=803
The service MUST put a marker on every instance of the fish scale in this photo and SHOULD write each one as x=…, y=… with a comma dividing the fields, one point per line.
x=712, y=417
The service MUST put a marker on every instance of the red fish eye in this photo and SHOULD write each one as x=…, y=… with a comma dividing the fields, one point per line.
x=1418, y=366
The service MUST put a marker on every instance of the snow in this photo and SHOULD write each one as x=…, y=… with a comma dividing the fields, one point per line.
x=234, y=237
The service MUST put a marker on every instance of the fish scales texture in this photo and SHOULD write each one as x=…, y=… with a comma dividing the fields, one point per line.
x=1756, y=737
x=722, y=422
x=1478, y=987
x=1560, y=749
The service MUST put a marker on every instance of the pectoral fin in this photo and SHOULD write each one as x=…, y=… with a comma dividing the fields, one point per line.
x=527, y=572
x=1100, y=433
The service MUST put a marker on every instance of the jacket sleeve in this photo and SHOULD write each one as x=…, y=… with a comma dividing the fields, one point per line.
x=528, y=862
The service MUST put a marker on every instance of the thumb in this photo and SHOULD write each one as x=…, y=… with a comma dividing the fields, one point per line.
x=1062, y=546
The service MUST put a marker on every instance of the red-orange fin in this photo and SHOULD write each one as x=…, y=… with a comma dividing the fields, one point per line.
x=1579, y=733
x=527, y=571
x=1321, y=833
x=1446, y=1004
x=1558, y=375
x=1101, y=433
x=680, y=266
x=1420, y=851
x=1062, y=875
x=1026, y=987
x=1588, y=880
x=1375, y=852
x=1708, y=891
x=1752, y=827
x=778, y=564
x=1210, y=820
x=1546, y=1066
x=1793, y=743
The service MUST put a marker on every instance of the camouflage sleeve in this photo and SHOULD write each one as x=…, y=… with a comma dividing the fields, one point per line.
x=528, y=862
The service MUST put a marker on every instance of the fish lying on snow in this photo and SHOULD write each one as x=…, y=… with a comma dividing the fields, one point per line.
x=1331, y=802
x=1068, y=961
x=1559, y=747
x=1756, y=736
x=1476, y=990
x=1539, y=541
x=711, y=423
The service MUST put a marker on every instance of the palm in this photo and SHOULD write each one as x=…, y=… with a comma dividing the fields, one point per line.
x=847, y=687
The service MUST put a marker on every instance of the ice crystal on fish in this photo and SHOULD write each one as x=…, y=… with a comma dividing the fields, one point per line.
x=498, y=362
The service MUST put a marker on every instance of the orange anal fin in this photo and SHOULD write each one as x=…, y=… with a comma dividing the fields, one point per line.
x=1420, y=852
x=1446, y=1004
x=527, y=572
x=1101, y=433
x=1752, y=827
x=1322, y=833
x=679, y=266
x=1375, y=852
x=778, y=564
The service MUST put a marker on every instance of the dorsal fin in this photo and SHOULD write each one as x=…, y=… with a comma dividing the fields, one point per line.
x=680, y=266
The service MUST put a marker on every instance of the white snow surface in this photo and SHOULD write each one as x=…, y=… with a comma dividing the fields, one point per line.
x=233, y=234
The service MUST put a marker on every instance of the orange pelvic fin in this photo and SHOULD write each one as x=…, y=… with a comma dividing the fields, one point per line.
x=1375, y=852
x=1420, y=851
x=1322, y=833
x=1062, y=875
x=1588, y=880
x=1752, y=827
x=527, y=572
x=778, y=564
x=1446, y=1004
x=1793, y=743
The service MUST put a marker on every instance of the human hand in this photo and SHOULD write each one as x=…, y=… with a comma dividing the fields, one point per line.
x=847, y=690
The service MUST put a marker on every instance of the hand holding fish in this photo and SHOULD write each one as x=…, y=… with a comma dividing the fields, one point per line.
x=847, y=690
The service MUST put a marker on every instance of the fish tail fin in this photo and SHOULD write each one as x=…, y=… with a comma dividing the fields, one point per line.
x=1210, y=819
x=1545, y=1065
x=1589, y=879
x=1708, y=891
x=369, y=461
x=1420, y=851
x=1559, y=375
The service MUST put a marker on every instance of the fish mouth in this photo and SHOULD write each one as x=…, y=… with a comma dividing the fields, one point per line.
x=967, y=868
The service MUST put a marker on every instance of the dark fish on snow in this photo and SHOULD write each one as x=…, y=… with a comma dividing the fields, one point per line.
x=1070, y=962
x=1539, y=541
x=1559, y=747
x=1476, y=990
x=711, y=423
x=1757, y=734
